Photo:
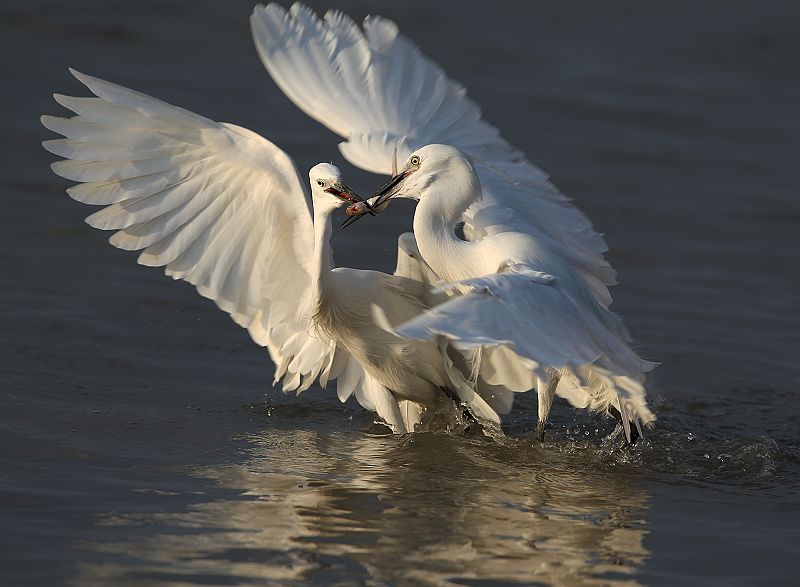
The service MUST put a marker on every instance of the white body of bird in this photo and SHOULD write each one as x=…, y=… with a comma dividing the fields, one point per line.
x=517, y=291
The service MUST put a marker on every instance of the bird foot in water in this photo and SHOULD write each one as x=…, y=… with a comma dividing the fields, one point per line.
x=459, y=405
x=540, y=431
x=618, y=417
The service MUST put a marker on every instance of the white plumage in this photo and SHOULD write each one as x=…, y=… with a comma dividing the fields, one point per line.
x=515, y=291
x=216, y=204
x=387, y=100
x=225, y=209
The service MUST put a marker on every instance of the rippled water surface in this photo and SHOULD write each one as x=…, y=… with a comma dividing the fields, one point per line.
x=141, y=442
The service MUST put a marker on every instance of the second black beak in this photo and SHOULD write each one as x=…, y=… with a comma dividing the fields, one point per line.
x=356, y=215
x=385, y=192
x=378, y=198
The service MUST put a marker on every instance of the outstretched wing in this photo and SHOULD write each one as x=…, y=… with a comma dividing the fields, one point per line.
x=375, y=88
x=215, y=204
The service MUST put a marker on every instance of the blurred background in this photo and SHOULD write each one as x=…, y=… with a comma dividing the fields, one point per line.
x=141, y=441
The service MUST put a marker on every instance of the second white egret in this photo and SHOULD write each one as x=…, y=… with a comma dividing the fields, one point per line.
x=517, y=291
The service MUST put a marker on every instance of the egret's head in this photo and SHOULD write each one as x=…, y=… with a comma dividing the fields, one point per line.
x=328, y=187
x=423, y=166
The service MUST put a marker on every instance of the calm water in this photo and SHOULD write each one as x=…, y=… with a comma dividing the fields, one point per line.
x=141, y=442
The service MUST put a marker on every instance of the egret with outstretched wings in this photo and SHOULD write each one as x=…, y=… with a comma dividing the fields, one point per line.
x=499, y=224
x=224, y=209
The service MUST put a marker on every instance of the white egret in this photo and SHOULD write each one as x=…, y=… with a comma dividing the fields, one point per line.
x=517, y=291
x=377, y=90
x=224, y=209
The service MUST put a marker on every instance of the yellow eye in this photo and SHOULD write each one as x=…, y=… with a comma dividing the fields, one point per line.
x=414, y=160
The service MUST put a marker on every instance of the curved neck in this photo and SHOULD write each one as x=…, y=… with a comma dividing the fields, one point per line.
x=441, y=207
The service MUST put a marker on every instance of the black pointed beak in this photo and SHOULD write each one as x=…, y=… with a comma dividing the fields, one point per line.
x=378, y=198
x=386, y=191
x=344, y=192
x=350, y=219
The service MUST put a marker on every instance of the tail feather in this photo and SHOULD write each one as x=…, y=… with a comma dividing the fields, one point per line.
x=621, y=396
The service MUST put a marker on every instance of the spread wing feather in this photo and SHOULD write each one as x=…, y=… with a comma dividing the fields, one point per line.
x=377, y=90
x=215, y=204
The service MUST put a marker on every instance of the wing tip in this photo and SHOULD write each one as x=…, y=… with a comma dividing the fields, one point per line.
x=381, y=22
x=94, y=220
x=43, y=119
x=94, y=84
x=49, y=122
x=299, y=8
x=262, y=10
x=78, y=75
x=48, y=145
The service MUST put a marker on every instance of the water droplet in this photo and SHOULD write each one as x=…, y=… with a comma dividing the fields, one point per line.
x=707, y=456
x=690, y=436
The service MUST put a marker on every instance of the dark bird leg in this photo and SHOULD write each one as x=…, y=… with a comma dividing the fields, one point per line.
x=618, y=417
x=465, y=411
x=546, y=390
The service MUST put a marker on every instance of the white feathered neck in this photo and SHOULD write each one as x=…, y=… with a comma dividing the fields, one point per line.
x=445, y=194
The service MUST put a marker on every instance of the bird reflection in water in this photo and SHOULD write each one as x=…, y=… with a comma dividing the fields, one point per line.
x=428, y=509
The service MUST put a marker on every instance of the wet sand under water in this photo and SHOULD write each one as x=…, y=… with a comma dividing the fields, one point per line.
x=142, y=444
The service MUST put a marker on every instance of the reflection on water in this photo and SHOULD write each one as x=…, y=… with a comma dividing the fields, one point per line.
x=354, y=508
x=682, y=148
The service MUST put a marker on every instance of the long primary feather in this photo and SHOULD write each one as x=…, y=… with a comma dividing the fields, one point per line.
x=214, y=204
x=376, y=89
